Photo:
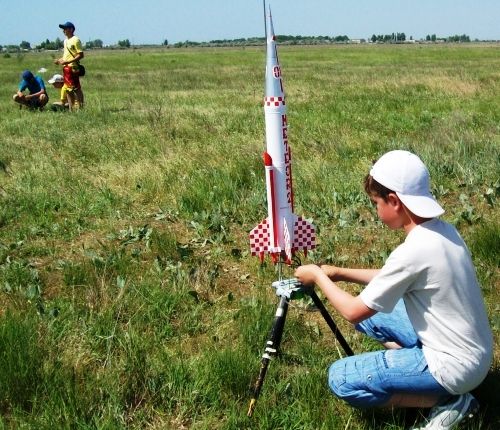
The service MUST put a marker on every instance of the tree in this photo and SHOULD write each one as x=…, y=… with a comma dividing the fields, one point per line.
x=124, y=43
x=459, y=38
x=341, y=38
x=57, y=44
x=91, y=44
x=24, y=45
x=165, y=42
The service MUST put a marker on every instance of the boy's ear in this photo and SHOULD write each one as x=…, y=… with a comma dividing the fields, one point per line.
x=393, y=199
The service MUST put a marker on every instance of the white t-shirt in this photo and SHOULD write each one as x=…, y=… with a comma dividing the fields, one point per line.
x=432, y=270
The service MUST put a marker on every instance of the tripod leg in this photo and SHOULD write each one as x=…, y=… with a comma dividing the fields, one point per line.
x=270, y=350
x=329, y=320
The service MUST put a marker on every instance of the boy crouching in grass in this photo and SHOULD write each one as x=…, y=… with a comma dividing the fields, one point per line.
x=57, y=81
x=425, y=306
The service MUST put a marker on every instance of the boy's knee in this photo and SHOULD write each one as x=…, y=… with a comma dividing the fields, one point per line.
x=338, y=381
x=348, y=386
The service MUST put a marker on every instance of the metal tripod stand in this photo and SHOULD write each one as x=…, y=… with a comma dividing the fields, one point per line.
x=287, y=290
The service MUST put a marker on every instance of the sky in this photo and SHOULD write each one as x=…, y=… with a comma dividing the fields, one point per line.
x=154, y=21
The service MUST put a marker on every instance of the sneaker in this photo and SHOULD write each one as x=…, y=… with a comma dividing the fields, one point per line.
x=449, y=415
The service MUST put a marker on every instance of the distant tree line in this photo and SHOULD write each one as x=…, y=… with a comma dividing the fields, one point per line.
x=94, y=44
x=282, y=39
x=298, y=39
x=456, y=38
x=389, y=38
x=124, y=43
x=59, y=44
x=55, y=45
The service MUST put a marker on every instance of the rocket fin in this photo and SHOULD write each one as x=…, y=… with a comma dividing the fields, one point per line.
x=288, y=243
x=259, y=238
x=304, y=235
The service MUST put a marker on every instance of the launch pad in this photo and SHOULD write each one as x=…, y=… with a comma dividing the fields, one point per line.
x=286, y=290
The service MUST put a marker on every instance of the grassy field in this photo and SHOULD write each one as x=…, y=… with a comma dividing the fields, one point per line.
x=128, y=298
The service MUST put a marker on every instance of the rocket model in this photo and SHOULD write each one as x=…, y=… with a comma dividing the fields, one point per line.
x=282, y=233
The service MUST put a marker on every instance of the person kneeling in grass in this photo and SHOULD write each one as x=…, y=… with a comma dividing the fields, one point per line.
x=37, y=96
x=425, y=306
x=57, y=81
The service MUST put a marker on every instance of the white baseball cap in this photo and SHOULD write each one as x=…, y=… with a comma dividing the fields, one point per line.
x=406, y=175
x=56, y=78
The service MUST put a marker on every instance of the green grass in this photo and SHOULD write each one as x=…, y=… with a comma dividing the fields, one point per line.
x=128, y=298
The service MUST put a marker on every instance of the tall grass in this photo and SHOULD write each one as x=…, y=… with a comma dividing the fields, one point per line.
x=128, y=298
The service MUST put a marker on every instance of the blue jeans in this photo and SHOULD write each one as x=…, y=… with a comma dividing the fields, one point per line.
x=372, y=378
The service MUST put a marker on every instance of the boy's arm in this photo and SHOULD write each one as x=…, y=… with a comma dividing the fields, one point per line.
x=35, y=95
x=78, y=56
x=351, y=308
x=358, y=276
x=21, y=87
x=61, y=61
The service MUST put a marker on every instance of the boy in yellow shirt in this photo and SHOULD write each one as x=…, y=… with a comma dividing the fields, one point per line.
x=72, y=54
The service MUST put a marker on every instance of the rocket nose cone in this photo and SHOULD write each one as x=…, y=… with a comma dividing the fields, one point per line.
x=270, y=27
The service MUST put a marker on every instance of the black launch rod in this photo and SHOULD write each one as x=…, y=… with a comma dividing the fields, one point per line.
x=329, y=320
x=270, y=350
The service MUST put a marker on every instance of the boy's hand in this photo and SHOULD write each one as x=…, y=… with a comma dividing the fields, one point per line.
x=307, y=274
x=331, y=271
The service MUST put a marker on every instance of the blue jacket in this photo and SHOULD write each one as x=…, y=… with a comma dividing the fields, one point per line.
x=33, y=86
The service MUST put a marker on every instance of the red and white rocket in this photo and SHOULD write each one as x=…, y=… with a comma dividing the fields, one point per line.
x=282, y=233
